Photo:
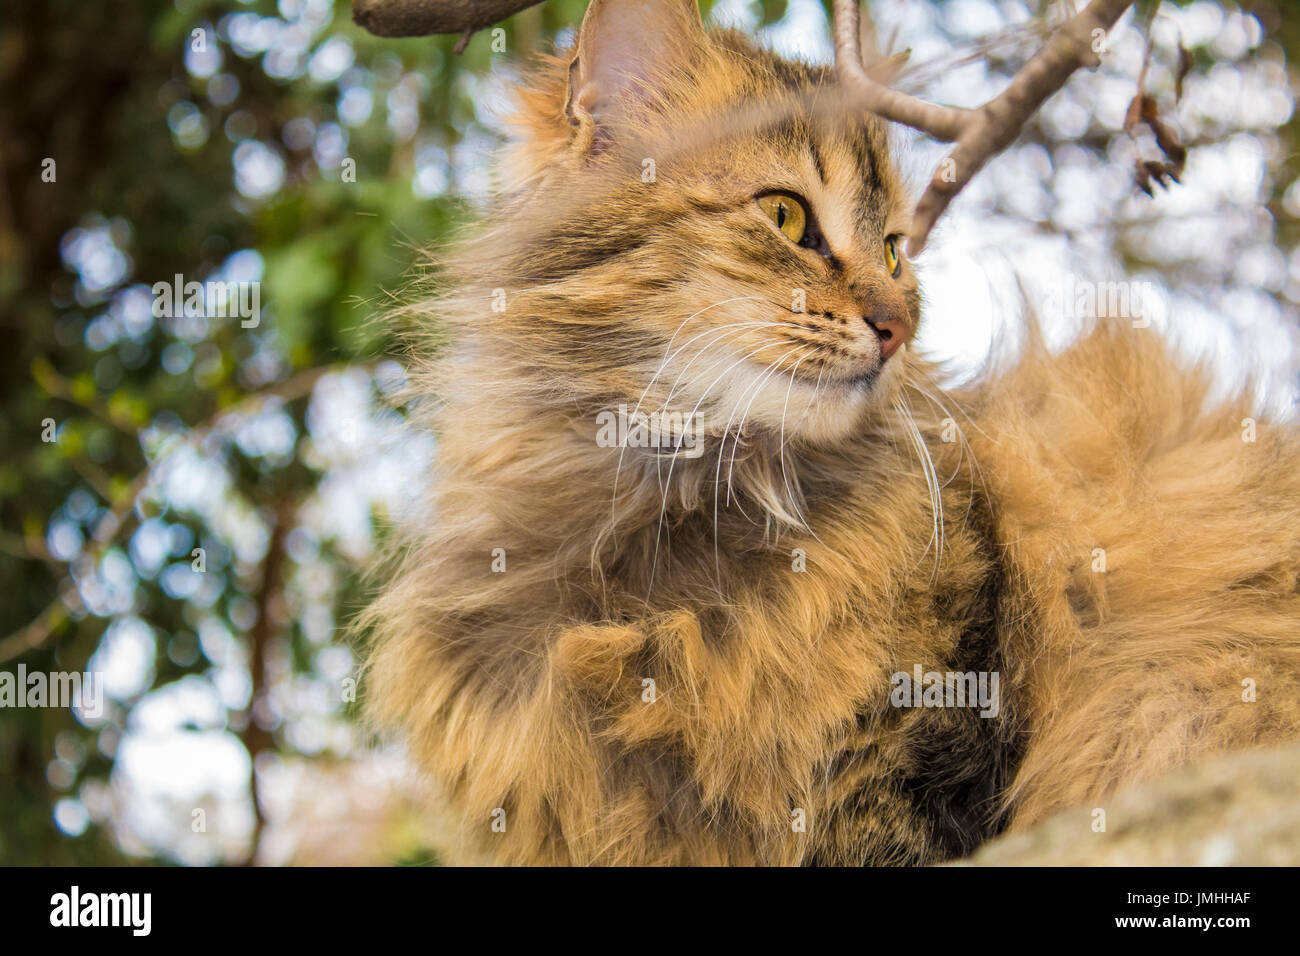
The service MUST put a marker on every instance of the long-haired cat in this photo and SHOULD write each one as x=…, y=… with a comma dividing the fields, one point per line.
x=701, y=515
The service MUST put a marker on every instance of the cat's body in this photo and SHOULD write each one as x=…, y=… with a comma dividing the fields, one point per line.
x=608, y=655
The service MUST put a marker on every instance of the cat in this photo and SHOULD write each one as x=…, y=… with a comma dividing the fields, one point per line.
x=693, y=639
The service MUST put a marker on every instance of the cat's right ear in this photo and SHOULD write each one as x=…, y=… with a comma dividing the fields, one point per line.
x=626, y=51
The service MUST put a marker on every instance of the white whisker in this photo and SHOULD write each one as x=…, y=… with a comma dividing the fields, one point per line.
x=663, y=504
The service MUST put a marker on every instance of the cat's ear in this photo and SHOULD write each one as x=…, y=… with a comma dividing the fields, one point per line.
x=625, y=48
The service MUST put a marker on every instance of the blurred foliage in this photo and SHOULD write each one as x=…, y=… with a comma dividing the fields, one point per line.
x=216, y=154
x=224, y=154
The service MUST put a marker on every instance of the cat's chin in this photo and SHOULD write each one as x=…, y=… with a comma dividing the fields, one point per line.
x=837, y=411
x=822, y=412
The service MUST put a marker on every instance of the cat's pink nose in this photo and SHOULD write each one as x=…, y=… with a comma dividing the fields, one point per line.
x=891, y=330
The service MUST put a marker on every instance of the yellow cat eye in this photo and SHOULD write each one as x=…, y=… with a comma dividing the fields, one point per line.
x=892, y=260
x=788, y=214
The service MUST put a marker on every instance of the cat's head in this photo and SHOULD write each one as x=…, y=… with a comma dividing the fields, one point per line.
x=692, y=224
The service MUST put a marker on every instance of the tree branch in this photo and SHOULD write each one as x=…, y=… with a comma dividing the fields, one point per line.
x=982, y=133
x=418, y=18
x=255, y=736
x=942, y=122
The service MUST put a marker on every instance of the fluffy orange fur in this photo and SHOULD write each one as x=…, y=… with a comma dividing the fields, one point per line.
x=617, y=655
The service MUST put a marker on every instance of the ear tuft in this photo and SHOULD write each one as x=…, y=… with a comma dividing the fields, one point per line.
x=625, y=49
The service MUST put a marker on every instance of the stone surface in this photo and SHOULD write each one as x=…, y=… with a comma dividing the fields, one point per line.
x=1240, y=810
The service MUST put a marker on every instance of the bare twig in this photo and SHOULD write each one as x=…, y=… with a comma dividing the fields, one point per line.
x=28, y=548
x=941, y=122
x=1143, y=110
x=59, y=387
x=34, y=634
x=982, y=133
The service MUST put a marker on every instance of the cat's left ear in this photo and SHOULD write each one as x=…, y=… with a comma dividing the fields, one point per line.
x=625, y=50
